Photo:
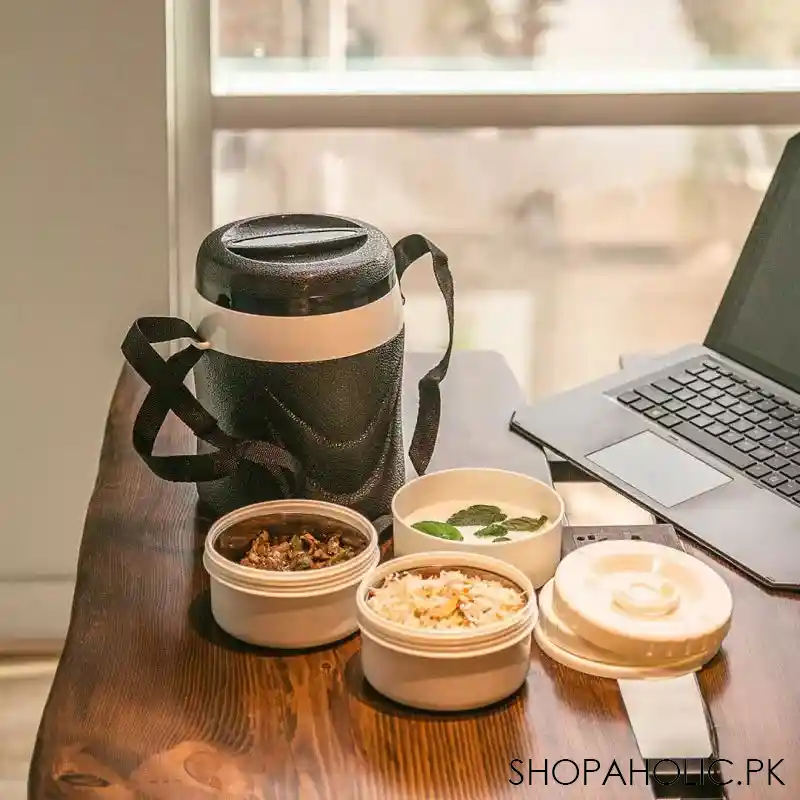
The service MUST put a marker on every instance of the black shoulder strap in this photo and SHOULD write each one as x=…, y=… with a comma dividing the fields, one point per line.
x=406, y=252
x=169, y=393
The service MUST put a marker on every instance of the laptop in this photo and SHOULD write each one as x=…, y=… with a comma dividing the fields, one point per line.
x=708, y=437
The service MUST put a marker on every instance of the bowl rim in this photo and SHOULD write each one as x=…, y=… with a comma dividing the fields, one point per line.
x=384, y=570
x=289, y=592
x=548, y=528
x=251, y=576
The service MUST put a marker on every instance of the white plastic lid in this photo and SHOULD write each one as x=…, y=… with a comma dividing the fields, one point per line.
x=616, y=671
x=566, y=647
x=643, y=601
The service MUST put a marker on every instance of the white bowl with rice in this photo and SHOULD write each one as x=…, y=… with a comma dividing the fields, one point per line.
x=492, y=512
x=446, y=631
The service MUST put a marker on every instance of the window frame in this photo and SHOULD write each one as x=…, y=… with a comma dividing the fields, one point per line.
x=190, y=137
x=506, y=99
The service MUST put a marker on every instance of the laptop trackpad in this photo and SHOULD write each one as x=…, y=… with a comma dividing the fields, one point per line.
x=658, y=469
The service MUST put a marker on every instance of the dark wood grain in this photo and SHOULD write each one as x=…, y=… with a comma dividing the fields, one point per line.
x=152, y=700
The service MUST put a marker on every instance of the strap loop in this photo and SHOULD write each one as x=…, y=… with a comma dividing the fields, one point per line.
x=169, y=393
x=426, y=431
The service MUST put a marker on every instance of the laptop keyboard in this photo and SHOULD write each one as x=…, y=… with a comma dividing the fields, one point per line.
x=752, y=429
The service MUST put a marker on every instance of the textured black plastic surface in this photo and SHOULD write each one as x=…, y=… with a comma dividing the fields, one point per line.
x=339, y=418
x=579, y=536
x=302, y=243
x=295, y=265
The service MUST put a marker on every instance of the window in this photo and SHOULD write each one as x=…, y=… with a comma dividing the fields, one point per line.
x=504, y=34
x=590, y=168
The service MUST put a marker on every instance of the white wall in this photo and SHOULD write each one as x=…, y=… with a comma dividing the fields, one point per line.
x=84, y=244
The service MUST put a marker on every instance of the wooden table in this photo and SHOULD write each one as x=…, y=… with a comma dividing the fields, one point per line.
x=152, y=700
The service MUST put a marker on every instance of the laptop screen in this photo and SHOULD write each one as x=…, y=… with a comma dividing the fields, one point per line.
x=758, y=321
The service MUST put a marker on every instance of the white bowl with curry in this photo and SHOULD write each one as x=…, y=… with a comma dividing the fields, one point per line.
x=284, y=573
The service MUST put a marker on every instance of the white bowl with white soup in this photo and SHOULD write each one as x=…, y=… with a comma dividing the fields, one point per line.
x=491, y=512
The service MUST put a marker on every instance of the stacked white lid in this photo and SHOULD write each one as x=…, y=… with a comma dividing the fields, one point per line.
x=633, y=609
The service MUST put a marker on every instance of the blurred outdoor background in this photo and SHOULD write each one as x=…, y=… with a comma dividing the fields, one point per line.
x=568, y=246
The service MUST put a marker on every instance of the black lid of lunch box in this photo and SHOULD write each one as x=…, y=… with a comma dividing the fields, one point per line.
x=295, y=265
